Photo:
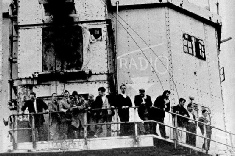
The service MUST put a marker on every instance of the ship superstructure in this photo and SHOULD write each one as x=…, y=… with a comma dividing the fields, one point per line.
x=81, y=45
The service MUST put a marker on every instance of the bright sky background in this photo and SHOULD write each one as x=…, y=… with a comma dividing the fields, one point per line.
x=227, y=58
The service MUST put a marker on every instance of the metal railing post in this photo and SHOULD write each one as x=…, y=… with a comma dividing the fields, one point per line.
x=33, y=131
x=205, y=139
x=14, y=143
x=49, y=126
x=118, y=126
x=85, y=127
x=175, y=131
x=135, y=126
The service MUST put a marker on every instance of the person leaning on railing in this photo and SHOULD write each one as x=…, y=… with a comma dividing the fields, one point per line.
x=35, y=105
x=76, y=109
x=74, y=124
x=144, y=103
x=191, y=126
x=53, y=107
x=181, y=121
x=64, y=105
x=161, y=104
x=205, y=128
x=90, y=118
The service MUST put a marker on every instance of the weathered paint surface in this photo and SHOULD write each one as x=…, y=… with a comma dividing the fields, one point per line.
x=95, y=53
x=141, y=51
x=29, y=57
x=30, y=12
x=1, y=129
x=161, y=44
x=90, y=9
x=149, y=49
x=188, y=5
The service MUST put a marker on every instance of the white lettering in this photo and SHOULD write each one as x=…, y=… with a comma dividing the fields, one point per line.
x=133, y=63
x=123, y=61
x=158, y=64
x=161, y=66
x=143, y=63
x=151, y=64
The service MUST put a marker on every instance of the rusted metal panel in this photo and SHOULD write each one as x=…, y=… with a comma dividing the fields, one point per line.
x=29, y=52
x=91, y=9
x=62, y=48
x=29, y=12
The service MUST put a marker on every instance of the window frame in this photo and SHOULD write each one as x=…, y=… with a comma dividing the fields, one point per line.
x=200, y=49
x=194, y=46
x=188, y=44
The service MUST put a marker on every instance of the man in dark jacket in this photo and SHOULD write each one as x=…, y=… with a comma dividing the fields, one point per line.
x=144, y=103
x=104, y=111
x=123, y=104
x=36, y=106
x=161, y=104
x=181, y=121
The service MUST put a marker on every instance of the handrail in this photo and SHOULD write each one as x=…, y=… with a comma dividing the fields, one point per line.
x=96, y=109
x=174, y=115
x=193, y=120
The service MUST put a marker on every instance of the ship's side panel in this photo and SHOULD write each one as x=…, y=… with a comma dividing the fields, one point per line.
x=142, y=59
x=216, y=105
x=30, y=12
x=95, y=54
x=196, y=77
x=187, y=67
x=29, y=52
x=90, y=9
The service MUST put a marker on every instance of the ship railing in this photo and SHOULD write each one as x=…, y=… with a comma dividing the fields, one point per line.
x=23, y=129
x=217, y=141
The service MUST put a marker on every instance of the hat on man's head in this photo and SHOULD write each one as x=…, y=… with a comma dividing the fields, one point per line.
x=142, y=90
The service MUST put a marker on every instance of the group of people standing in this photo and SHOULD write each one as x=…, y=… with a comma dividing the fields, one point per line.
x=186, y=120
x=66, y=117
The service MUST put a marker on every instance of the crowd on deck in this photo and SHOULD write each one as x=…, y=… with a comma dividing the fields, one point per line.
x=66, y=116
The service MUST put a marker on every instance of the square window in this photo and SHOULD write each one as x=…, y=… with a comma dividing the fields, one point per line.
x=96, y=34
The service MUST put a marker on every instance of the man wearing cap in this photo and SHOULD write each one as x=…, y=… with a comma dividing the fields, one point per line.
x=144, y=103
